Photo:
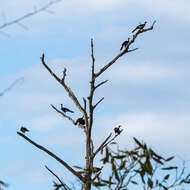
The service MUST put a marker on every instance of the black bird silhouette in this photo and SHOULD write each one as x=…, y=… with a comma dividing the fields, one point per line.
x=124, y=44
x=117, y=130
x=64, y=109
x=80, y=120
x=140, y=26
x=24, y=129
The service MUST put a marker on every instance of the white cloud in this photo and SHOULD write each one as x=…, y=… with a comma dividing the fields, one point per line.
x=171, y=8
x=40, y=89
x=144, y=72
x=166, y=132
x=44, y=122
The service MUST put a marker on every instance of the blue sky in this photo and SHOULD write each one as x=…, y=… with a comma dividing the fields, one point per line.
x=147, y=93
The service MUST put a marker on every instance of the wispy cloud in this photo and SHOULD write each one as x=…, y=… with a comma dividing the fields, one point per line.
x=143, y=72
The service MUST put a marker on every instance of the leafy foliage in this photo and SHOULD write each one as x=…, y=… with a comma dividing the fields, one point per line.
x=141, y=167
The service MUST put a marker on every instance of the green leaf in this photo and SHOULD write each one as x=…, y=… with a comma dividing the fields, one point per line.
x=138, y=143
x=185, y=181
x=98, y=184
x=170, y=158
x=108, y=182
x=96, y=169
x=134, y=182
x=150, y=183
x=119, y=156
x=156, y=155
x=122, y=165
x=148, y=167
x=170, y=168
x=115, y=171
x=166, y=177
x=157, y=160
x=110, y=178
x=142, y=173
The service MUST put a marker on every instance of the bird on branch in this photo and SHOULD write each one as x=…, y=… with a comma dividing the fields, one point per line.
x=117, y=130
x=139, y=27
x=64, y=109
x=80, y=120
x=124, y=44
x=23, y=129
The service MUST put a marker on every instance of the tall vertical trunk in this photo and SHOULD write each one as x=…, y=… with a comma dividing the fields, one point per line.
x=87, y=185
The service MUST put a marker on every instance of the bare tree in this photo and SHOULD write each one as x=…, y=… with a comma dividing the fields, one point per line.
x=140, y=162
x=87, y=111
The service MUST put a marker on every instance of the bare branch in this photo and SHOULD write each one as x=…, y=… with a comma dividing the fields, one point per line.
x=84, y=101
x=96, y=176
x=67, y=89
x=66, y=116
x=34, y=12
x=105, y=143
x=98, y=102
x=92, y=56
x=100, y=84
x=102, y=145
x=56, y=176
x=147, y=29
x=126, y=50
x=53, y=156
x=132, y=50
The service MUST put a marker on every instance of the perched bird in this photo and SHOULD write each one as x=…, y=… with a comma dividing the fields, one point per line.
x=124, y=44
x=64, y=109
x=140, y=26
x=24, y=129
x=80, y=120
x=117, y=130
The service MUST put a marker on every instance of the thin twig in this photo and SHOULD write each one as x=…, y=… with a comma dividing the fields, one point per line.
x=98, y=102
x=53, y=156
x=92, y=56
x=84, y=101
x=101, y=146
x=36, y=11
x=100, y=84
x=105, y=143
x=57, y=178
x=97, y=175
